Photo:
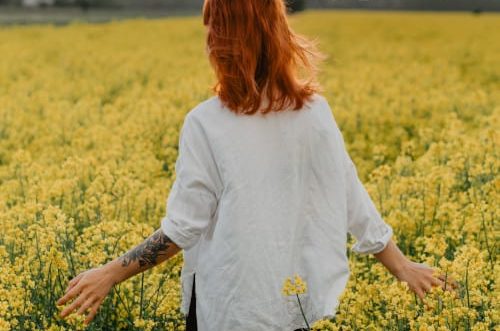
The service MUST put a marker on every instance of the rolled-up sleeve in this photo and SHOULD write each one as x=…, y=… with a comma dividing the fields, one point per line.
x=363, y=219
x=193, y=198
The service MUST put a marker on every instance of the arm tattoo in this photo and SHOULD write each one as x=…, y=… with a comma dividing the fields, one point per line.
x=148, y=251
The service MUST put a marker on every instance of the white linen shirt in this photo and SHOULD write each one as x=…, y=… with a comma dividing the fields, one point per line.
x=258, y=198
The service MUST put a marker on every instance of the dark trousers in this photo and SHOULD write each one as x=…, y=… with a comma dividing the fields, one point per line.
x=191, y=318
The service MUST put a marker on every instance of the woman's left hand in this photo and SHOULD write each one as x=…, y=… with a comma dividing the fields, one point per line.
x=89, y=289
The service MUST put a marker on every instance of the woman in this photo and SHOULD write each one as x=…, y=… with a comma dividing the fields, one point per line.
x=264, y=189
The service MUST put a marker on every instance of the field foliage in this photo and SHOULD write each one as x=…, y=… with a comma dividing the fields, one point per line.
x=89, y=125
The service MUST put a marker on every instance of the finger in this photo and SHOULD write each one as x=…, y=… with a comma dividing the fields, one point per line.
x=93, y=311
x=70, y=286
x=437, y=282
x=454, y=283
x=444, y=286
x=427, y=287
x=70, y=294
x=75, y=304
x=86, y=305
x=74, y=281
x=69, y=309
x=67, y=295
x=449, y=281
x=423, y=296
x=447, y=277
x=453, y=291
x=443, y=277
x=451, y=285
x=437, y=274
x=420, y=293
x=433, y=273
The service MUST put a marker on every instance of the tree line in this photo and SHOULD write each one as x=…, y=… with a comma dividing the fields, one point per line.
x=293, y=5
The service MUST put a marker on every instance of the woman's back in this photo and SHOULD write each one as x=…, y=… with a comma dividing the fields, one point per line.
x=259, y=198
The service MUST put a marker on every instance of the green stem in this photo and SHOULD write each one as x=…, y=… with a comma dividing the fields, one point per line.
x=302, y=311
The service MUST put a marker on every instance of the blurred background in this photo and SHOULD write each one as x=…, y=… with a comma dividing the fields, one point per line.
x=63, y=11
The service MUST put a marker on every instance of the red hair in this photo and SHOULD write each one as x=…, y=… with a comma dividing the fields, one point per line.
x=256, y=56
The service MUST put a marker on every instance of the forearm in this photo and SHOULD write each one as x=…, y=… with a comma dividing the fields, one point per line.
x=392, y=258
x=154, y=250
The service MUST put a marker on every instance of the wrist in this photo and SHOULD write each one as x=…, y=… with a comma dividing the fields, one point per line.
x=393, y=259
x=400, y=268
x=113, y=272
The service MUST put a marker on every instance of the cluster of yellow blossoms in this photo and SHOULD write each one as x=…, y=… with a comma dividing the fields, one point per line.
x=88, y=142
x=298, y=286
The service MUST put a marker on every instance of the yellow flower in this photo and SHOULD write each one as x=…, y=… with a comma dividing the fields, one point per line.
x=298, y=286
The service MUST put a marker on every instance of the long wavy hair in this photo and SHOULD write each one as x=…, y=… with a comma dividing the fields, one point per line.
x=257, y=57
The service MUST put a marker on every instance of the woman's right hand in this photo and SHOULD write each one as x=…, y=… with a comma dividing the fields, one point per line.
x=420, y=278
x=89, y=289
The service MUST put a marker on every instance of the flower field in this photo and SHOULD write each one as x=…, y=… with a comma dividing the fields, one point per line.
x=89, y=125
